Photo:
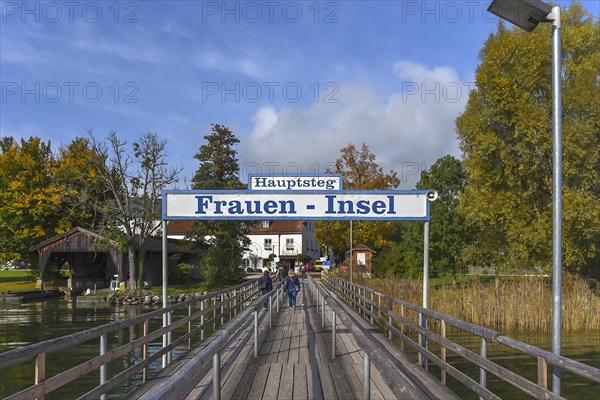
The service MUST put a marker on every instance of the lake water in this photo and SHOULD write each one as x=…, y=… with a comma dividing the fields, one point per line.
x=26, y=323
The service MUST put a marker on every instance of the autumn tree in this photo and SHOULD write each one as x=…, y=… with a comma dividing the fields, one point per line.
x=29, y=199
x=80, y=185
x=505, y=134
x=359, y=171
x=133, y=178
x=223, y=241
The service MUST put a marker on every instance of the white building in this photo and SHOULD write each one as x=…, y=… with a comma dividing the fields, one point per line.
x=288, y=242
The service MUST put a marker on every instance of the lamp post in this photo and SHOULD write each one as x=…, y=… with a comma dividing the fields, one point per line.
x=526, y=14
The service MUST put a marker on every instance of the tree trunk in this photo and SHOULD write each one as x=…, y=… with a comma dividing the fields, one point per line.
x=132, y=268
x=141, y=269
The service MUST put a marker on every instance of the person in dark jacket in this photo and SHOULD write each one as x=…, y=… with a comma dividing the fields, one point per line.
x=292, y=286
x=265, y=283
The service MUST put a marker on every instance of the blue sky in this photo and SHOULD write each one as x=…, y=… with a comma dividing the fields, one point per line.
x=296, y=81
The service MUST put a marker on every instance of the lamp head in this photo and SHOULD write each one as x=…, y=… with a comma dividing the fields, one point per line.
x=432, y=195
x=525, y=14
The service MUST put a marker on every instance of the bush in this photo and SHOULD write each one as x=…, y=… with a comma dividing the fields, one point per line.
x=180, y=272
x=249, y=269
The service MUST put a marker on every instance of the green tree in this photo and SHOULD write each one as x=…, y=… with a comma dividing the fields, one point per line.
x=29, y=198
x=359, y=171
x=80, y=186
x=449, y=229
x=133, y=178
x=506, y=138
x=224, y=241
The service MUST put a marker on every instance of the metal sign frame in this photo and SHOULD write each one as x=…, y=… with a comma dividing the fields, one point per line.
x=310, y=203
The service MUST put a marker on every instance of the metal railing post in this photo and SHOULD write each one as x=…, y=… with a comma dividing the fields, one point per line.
x=270, y=309
x=443, y=350
x=190, y=325
x=217, y=376
x=423, y=341
x=145, y=351
x=222, y=307
x=366, y=377
x=235, y=302
x=202, y=319
x=372, y=313
x=333, y=333
x=322, y=311
x=103, y=346
x=402, y=326
x=318, y=300
x=482, y=371
x=40, y=369
x=165, y=340
x=390, y=321
x=169, y=337
x=255, y=333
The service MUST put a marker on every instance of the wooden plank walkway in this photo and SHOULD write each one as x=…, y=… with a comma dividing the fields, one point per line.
x=294, y=362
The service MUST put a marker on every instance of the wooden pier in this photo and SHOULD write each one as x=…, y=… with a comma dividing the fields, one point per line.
x=295, y=361
x=343, y=341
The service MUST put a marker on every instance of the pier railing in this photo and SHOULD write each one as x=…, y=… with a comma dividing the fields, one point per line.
x=205, y=313
x=401, y=320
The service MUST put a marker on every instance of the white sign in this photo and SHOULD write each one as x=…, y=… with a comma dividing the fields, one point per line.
x=312, y=183
x=361, y=258
x=250, y=205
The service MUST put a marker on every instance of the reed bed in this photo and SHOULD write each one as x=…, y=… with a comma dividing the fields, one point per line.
x=523, y=304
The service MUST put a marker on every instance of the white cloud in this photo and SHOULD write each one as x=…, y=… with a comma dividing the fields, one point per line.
x=176, y=29
x=420, y=73
x=130, y=52
x=406, y=130
x=247, y=62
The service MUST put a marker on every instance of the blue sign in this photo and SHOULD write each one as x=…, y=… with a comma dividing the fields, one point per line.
x=276, y=205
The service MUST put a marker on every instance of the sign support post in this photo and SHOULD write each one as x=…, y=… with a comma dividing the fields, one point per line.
x=165, y=358
x=351, y=255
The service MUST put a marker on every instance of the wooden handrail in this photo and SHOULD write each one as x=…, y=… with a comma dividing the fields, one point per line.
x=372, y=310
x=238, y=297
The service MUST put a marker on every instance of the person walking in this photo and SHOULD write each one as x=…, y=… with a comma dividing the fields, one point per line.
x=292, y=286
x=265, y=284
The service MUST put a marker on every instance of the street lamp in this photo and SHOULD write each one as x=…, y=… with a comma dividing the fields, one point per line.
x=527, y=14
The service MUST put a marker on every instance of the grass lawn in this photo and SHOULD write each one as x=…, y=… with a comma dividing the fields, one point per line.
x=19, y=280
x=15, y=280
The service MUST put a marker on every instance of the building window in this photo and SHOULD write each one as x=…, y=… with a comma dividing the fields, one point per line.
x=268, y=244
x=265, y=224
x=246, y=262
x=289, y=244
